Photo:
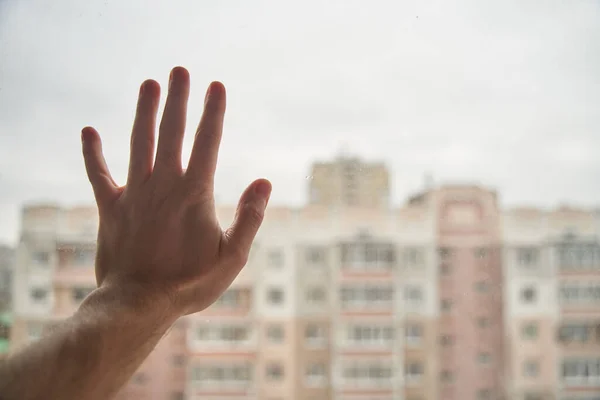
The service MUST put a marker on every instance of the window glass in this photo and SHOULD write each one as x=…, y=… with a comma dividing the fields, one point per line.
x=434, y=225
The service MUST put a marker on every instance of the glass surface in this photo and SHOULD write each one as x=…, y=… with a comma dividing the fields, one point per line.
x=434, y=227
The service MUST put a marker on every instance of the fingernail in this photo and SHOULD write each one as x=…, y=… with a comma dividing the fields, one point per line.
x=263, y=189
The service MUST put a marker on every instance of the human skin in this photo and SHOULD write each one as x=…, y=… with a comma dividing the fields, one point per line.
x=161, y=252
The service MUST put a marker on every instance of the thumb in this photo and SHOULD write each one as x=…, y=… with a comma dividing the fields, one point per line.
x=248, y=218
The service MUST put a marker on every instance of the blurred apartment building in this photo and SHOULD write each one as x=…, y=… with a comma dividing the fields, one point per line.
x=349, y=181
x=447, y=297
x=6, y=268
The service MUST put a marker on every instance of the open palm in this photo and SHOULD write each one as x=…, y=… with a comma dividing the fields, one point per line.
x=159, y=233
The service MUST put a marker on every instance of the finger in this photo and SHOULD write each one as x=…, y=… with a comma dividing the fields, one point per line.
x=142, y=135
x=248, y=218
x=203, y=160
x=172, y=126
x=104, y=186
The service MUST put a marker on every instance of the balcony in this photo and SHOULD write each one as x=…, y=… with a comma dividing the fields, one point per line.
x=366, y=348
x=232, y=337
x=242, y=348
x=367, y=270
x=221, y=378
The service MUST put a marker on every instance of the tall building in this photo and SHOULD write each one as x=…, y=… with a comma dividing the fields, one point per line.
x=447, y=297
x=470, y=346
x=552, y=314
x=348, y=181
x=54, y=272
x=7, y=256
x=6, y=268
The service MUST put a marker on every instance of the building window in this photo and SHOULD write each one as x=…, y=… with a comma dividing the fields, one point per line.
x=315, y=335
x=315, y=255
x=581, y=371
x=484, y=358
x=445, y=253
x=445, y=270
x=575, y=332
x=222, y=373
x=275, y=296
x=368, y=256
x=528, y=295
x=275, y=258
x=447, y=376
x=531, y=369
x=483, y=322
x=229, y=298
x=316, y=295
x=84, y=257
x=414, y=257
x=370, y=334
x=538, y=396
x=413, y=295
x=78, y=294
x=367, y=372
x=527, y=256
x=368, y=296
x=482, y=287
x=481, y=252
x=579, y=293
x=274, y=372
x=529, y=331
x=579, y=256
x=40, y=257
x=203, y=333
x=414, y=334
x=177, y=396
x=315, y=375
x=224, y=333
x=275, y=333
x=446, y=340
x=484, y=394
x=413, y=372
x=234, y=333
x=446, y=305
x=38, y=295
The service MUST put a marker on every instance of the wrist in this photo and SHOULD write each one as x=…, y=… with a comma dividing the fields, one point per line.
x=134, y=302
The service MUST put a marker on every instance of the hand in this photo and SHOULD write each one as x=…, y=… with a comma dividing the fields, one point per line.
x=158, y=235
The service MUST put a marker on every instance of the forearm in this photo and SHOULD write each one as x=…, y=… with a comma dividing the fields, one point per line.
x=92, y=354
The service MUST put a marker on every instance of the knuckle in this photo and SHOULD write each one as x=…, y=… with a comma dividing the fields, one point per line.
x=197, y=191
x=254, y=215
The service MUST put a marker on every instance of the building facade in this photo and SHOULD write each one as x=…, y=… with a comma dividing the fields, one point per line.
x=447, y=297
x=7, y=260
x=552, y=264
x=349, y=181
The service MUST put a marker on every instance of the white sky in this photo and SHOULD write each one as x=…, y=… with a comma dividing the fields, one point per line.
x=507, y=95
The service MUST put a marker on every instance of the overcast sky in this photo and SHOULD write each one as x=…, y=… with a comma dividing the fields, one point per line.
x=506, y=95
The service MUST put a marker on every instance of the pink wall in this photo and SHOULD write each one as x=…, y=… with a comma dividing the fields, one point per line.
x=468, y=220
